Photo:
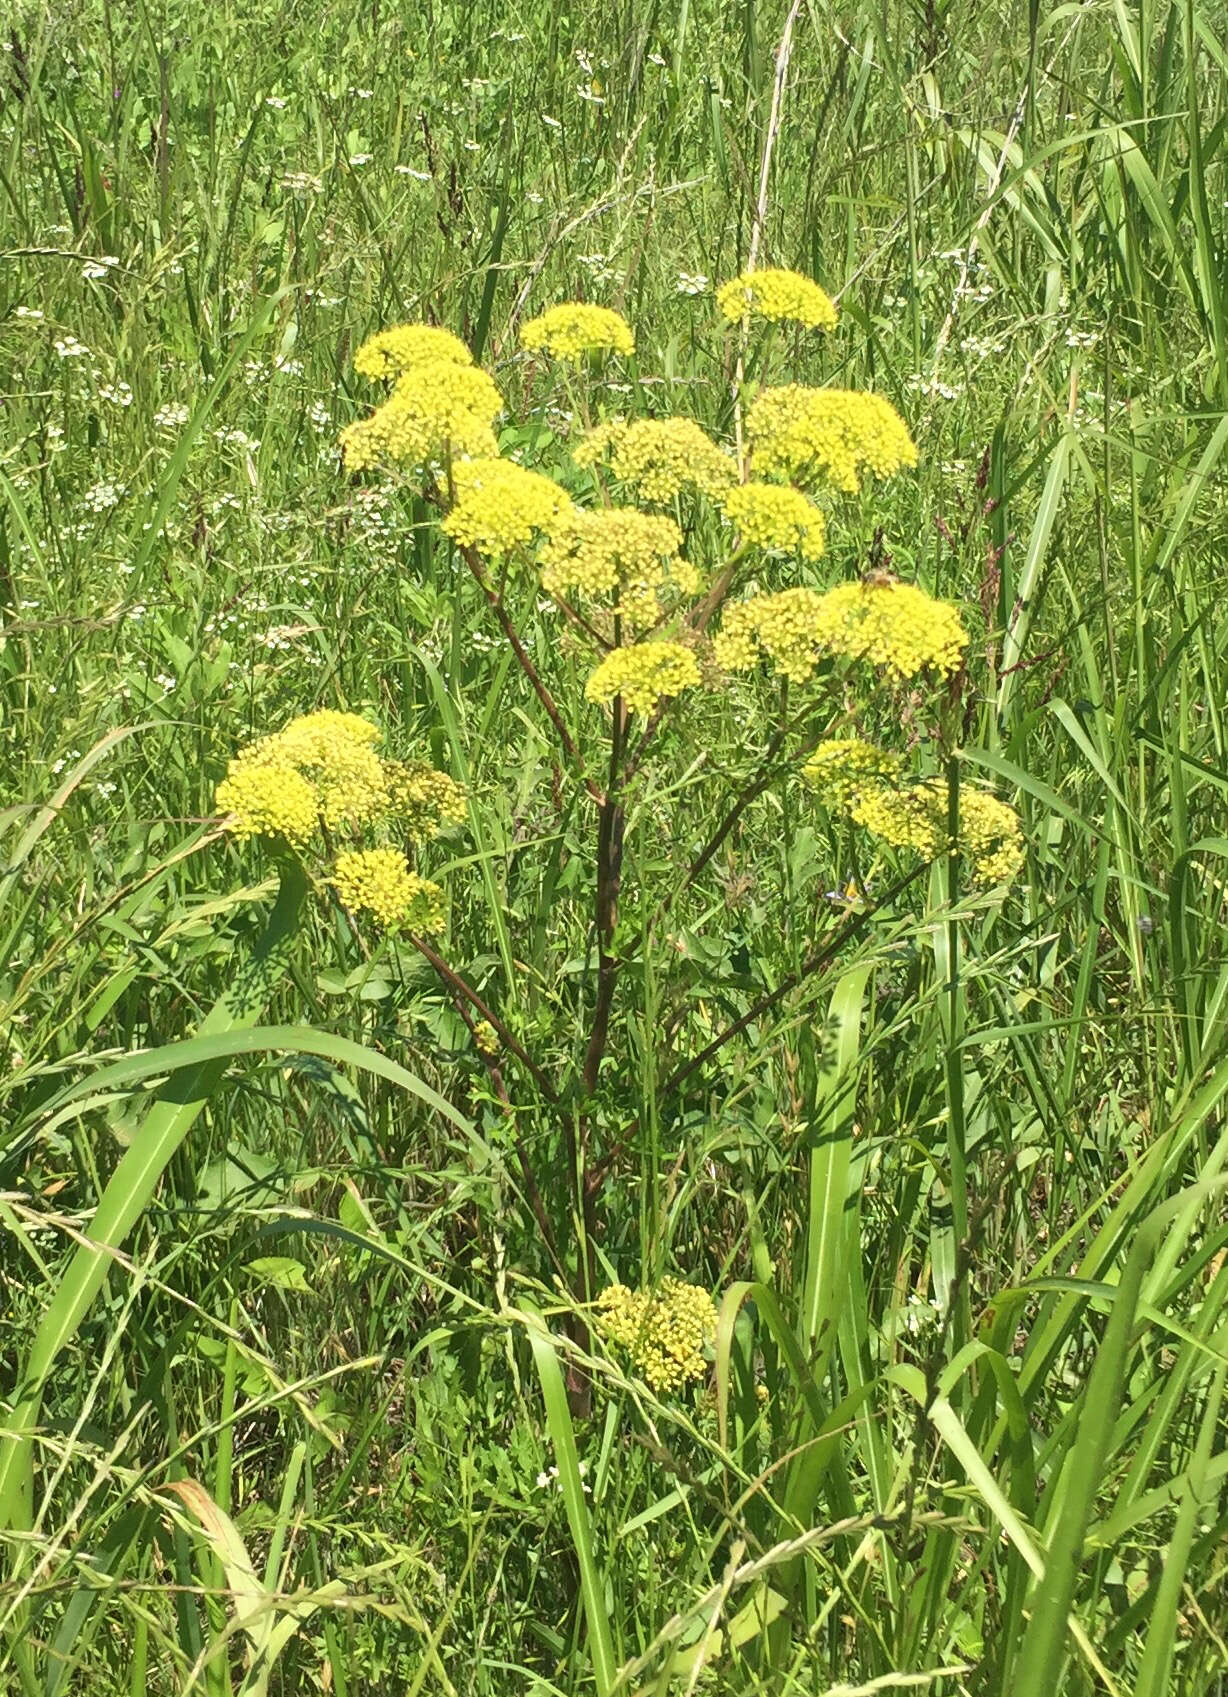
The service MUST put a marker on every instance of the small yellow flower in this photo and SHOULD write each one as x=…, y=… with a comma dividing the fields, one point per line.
x=665, y=1332
x=644, y=675
x=486, y=1037
x=777, y=295
x=379, y=881
x=659, y=457
x=269, y=800
x=783, y=626
x=393, y=351
x=573, y=329
x=893, y=625
x=827, y=434
x=916, y=817
x=772, y=515
x=620, y=552
x=322, y=764
x=840, y=767
x=438, y=407
x=501, y=506
x=322, y=768
x=423, y=799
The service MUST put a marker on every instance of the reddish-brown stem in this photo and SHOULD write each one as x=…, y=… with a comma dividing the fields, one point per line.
x=610, y=826
x=701, y=617
x=466, y=993
x=808, y=968
x=495, y=602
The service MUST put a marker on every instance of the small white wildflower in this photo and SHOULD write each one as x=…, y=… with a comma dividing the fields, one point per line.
x=27, y=312
x=68, y=347
x=319, y=415
x=692, y=283
x=170, y=417
x=550, y=123
x=165, y=681
x=105, y=790
x=301, y=182
x=408, y=171
x=120, y=393
x=101, y=497
x=277, y=101
x=94, y=269
x=361, y=158
x=363, y=93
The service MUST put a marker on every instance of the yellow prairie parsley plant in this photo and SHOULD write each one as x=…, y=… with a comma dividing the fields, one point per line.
x=864, y=782
x=320, y=774
x=574, y=329
x=322, y=768
x=659, y=458
x=379, y=881
x=393, y=351
x=644, y=675
x=664, y=1331
x=773, y=515
x=501, y=506
x=895, y=626
x=438, y=408
x=832, y=435
x=618, y=552
x=778, y=296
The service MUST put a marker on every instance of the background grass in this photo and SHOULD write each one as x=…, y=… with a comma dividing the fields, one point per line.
x=962, y=1210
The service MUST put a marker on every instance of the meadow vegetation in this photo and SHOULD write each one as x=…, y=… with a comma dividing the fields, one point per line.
x=613, y=988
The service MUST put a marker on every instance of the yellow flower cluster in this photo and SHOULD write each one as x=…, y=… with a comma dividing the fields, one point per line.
x=378, y=881
x=422, y=798
x=990, y=836
x=393, y=351
x=659, y=457
x=644, y=675
x=573, y=329
x=893, y=625
x=268, y=801
x=665, y=1332
x=501, y=506
x=842, y=767
x=835, y=434
x=773, y=515
x=322, y=768
x=777, y=295
x=783, y=626
x=438, y=407
x=616, y=549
